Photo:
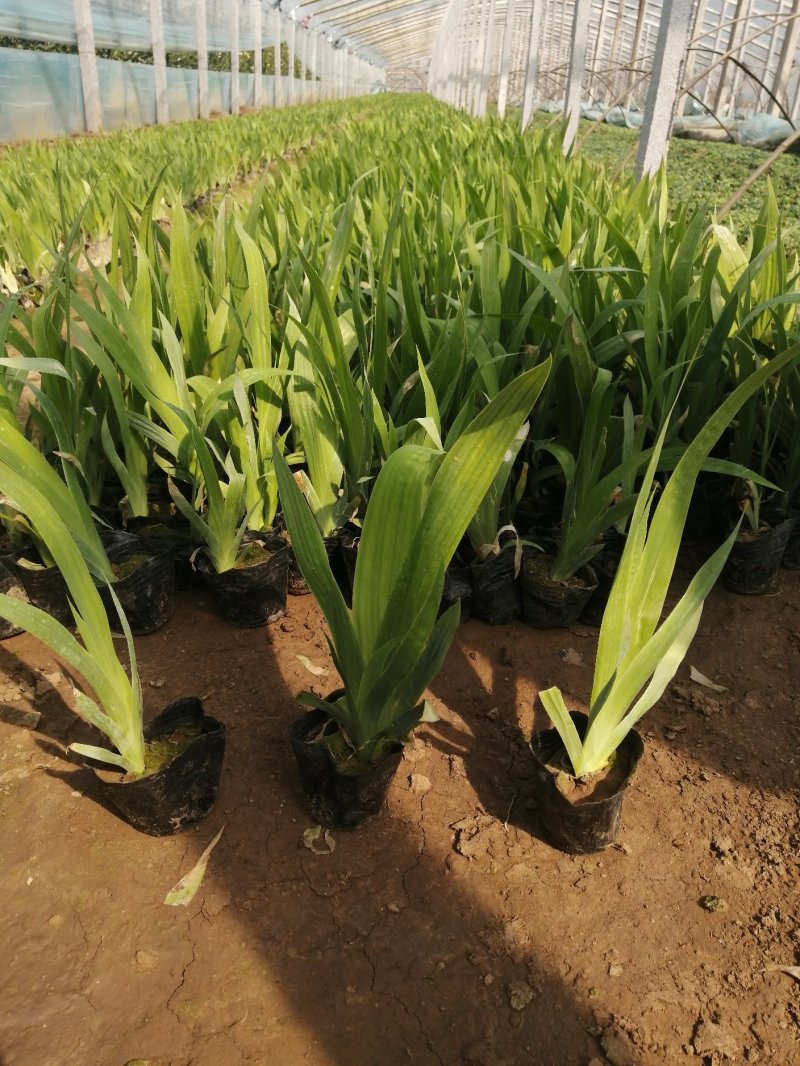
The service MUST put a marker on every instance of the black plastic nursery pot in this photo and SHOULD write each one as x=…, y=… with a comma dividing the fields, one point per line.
x=147, y=593
x=349, y=538
x=605, y=565
x=755, y=559
x=337, y=800
x=791, y=553
x=174, y=533
x=11, y=585
x=297, y=585
x=548, y=604
x=590, y=823
x=457, y=589
x=44, y=586
x=254, y=595
x=495, y=591
x=182, y=792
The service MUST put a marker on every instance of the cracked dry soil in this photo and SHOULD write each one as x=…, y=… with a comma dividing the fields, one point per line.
x=445, y=932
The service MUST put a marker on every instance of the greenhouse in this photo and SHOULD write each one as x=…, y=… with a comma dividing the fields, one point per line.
x=399, y=498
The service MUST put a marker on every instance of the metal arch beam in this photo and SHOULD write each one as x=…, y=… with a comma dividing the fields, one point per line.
x=380, y=32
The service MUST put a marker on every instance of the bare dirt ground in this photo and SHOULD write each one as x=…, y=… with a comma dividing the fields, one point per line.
x=444, y=933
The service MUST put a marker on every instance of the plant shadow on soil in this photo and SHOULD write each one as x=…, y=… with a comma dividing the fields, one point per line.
x=421, y=934
x=379, y=952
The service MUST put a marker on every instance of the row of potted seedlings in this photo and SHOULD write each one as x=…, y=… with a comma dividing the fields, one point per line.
x=391, y=642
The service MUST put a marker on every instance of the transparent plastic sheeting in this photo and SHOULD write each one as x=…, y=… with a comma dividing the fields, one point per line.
x=43, y=96
x=126, y=23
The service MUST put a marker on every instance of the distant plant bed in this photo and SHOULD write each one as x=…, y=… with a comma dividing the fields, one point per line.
x=705, y=174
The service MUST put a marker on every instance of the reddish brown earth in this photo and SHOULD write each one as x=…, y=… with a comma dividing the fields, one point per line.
x=445, y=932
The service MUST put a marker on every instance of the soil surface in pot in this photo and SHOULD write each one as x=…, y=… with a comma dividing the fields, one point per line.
x=444, y=933
x=129, y=566
x=599, y=786
x=539, y=567
x=252, y=554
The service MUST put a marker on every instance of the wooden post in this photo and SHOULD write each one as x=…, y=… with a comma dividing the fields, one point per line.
x=665, y=80
x=201, y=33
x=505, y=58
x=276, y=46
x=577, y=68
x=87, y=57
x=532, y=73
x=255, y=7
x=159, y=61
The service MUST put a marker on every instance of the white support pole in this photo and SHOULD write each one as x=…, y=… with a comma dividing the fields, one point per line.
x=301, y=43
x=532, y=73
x=725, y=89
x=691, y=55
x=255, y=7
x=594, y=84
x=636, y=47
x=762, y=100
x=315, y=67
x=577, y=68
x=475, y=31
x=716, y=50
x=665, y=81
x=87, y=57
x=276, y=52
x=488, y=57
x=462, y=85
x=201, y=33
x=290, y=97
x=613, y=52
x=159, y=61
x=505, y=58
x=322, y=66
x=788, y=54
x=234, y=57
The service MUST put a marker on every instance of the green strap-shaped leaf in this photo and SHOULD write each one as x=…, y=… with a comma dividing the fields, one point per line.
x=393, y=519
x=312, y=558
